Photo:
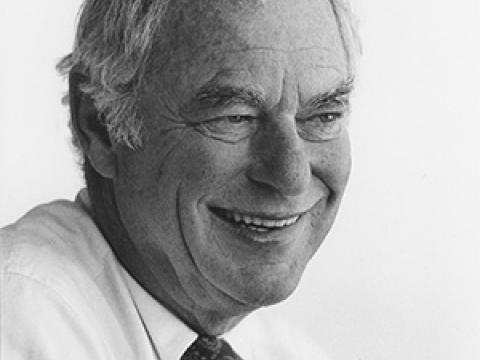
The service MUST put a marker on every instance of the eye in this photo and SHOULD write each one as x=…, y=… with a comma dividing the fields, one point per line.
x=322, y=127
x=231, y=128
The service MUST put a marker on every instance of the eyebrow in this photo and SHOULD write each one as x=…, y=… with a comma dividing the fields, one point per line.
x=214, y=95
x=338, y=94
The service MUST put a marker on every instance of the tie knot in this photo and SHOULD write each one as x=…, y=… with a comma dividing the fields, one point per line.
x=210, y=348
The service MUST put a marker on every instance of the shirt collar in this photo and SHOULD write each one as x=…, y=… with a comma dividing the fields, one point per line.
x=169, y=335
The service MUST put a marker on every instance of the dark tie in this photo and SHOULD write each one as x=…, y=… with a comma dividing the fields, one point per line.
x=210, y=348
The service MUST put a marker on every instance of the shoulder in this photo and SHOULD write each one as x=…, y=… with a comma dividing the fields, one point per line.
x=52, y=240
x=54, y=251
x=52, y=267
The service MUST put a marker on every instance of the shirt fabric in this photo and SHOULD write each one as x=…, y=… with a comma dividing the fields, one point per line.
x=64, y=295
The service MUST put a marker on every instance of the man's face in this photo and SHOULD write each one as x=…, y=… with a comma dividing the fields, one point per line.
x=245, y=156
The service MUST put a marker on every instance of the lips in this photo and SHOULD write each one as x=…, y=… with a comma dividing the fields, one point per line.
x=260, y=224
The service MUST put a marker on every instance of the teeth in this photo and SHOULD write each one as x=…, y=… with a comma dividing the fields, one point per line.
x=257, y=221
x=292, y=220
x=254, y=228
x=269, y=223
x=259, y=224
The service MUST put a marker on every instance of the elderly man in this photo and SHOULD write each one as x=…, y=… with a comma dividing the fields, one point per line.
x=215, y=154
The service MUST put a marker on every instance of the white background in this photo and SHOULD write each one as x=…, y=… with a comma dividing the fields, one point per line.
x=399, y=276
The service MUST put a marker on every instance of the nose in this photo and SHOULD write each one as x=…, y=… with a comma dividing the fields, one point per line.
x=281, y=161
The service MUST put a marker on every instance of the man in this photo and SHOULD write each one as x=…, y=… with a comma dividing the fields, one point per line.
x=215, y=154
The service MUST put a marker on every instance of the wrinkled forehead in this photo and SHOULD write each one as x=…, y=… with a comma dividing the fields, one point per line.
x=211, y=26
x=217, y=35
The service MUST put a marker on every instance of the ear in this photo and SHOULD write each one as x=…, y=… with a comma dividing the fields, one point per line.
x=91, y=132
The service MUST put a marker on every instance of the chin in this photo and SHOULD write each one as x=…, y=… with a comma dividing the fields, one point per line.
x=269, y=291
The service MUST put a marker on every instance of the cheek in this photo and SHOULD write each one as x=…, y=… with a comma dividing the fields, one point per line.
x=147, y=183
x=213, y=164
x=332, y=163
x=343, y=160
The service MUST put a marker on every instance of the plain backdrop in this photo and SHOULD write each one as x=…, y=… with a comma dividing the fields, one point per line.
x=398, y=277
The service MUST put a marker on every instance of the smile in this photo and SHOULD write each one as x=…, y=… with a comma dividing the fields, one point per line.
x=256, y=223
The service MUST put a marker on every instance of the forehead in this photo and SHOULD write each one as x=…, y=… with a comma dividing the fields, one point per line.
x=291, y=23
x=250, y=40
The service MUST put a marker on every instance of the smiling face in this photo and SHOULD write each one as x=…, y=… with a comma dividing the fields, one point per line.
x=245, y=157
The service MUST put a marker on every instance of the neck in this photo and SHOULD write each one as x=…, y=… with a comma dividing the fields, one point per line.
x=108, y=219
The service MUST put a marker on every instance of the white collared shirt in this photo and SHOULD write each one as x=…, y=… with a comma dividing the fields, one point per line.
x=64, y=295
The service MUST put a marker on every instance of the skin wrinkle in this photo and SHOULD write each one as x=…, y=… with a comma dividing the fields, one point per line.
x=175, y=114
x=280, y=50
x=334, y=68
x=339, y=93
x=192, y=302
x=214, y=95
x=175, y=27
x=170, y=151
x=173, y=120
x=182, y=235
x=220, y=245
x=192, y=258
x=196, y=49
x=213, y=81
x=198, y=129
x=176, y=128
x=286, y=103
x=222, y=71
x=222, y=248
x=207, y=93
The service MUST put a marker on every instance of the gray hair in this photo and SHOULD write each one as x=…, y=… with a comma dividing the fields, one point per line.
x=112, y=48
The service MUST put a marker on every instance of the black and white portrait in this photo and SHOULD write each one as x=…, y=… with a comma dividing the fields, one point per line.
x=239, y=179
